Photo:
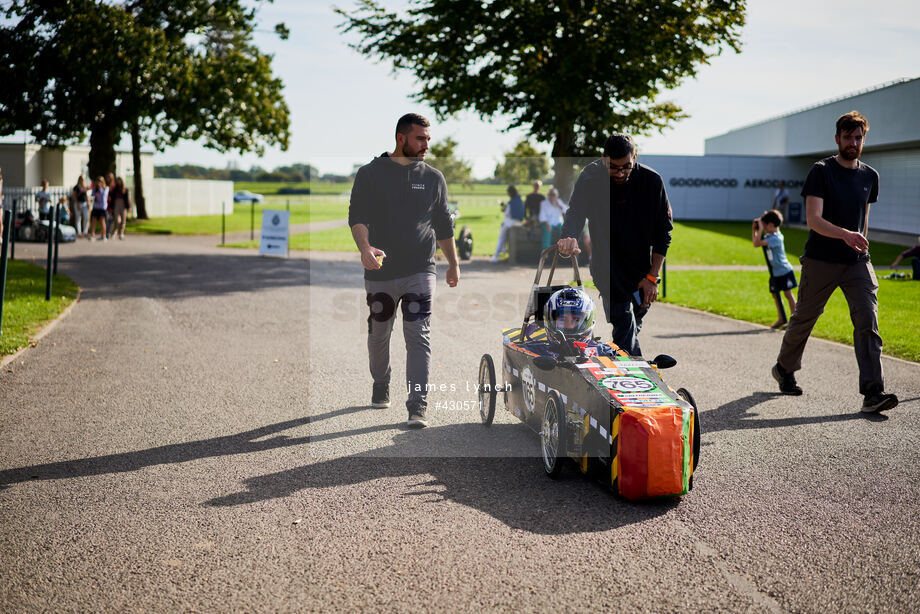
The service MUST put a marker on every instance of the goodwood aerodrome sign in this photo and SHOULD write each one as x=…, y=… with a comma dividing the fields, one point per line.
x=707, y=182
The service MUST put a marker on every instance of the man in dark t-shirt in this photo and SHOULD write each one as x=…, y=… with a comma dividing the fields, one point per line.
x=533, y=201
x=838, y=192
x=629, y=218
x=398, y=212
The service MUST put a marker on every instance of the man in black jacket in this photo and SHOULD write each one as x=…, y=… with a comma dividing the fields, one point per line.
x=398, y=211
x=629, y=220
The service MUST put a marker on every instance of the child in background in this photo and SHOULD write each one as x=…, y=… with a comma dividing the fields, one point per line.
x=765, y=233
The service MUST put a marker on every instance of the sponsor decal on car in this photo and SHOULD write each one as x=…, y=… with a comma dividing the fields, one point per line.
x=627, y=384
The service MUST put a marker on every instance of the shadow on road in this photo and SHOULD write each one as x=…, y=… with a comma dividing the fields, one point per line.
x=177, y=276
x=735, y=415
x=240, y=443
x=514, y=491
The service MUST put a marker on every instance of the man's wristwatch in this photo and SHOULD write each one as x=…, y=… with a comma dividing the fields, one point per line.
x=652, y=278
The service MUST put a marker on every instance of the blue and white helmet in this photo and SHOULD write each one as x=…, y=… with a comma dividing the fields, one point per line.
x=569, y=315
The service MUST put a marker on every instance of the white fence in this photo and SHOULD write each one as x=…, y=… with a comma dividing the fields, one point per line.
x=163, y=197
x=24, y=198
x=183, y=197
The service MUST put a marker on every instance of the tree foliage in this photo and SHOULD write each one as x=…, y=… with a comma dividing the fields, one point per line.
x=523, y=164
x=443, y=158
x=569, y=71
x=160, y=69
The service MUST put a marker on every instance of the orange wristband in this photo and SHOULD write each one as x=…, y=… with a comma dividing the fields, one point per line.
x=651, y=278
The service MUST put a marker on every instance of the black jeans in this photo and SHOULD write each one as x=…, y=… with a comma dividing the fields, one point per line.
x=626, y=319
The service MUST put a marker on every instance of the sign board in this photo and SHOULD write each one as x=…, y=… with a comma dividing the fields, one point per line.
x=275, y=228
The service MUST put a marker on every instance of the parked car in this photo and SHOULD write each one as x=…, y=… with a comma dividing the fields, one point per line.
x=246, y=196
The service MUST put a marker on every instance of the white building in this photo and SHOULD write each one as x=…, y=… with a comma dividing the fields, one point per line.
x=738, y=175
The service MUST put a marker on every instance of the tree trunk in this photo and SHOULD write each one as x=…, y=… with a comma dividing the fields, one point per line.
x=139, y=202
x=102, y=140
x=564, y=162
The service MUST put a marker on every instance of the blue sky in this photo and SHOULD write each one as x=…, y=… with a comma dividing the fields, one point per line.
x=795, y=53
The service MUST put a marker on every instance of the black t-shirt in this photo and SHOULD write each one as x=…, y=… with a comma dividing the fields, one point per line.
x=846, y=193
x=405, y=211
x=640, y=223
x=532, y=204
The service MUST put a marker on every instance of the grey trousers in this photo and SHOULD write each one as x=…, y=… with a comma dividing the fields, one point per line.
x=860, y=288
x=413, y=294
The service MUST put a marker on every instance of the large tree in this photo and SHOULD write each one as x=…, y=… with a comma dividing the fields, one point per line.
x=158, y=69
x=569, y=71
x=523, y=164
x=454, y=168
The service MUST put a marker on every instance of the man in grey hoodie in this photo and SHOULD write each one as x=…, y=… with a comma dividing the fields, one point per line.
x=398, y=212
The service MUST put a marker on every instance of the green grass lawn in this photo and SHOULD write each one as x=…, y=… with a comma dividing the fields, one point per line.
x=743, y=295
x=25, y=309
x=726, y=243
x=304, y=209
x=480, y=212
x=325, y=188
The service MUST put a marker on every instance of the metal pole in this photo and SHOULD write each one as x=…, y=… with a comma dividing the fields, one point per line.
x=223, y=222
x=58, y=209
x=48, y=265
x=289, y=209
x=252, y=220
x=13, y=234
x=664, y=279
x=7, y=233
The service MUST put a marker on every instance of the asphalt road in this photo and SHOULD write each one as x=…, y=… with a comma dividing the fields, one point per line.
x=195, y=436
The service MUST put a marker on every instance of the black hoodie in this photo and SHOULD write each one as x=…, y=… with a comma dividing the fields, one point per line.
x=405, y=211
x=627, y=223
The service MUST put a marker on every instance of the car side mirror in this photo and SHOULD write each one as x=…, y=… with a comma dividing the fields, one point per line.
x=545, y=363
x=663, y=361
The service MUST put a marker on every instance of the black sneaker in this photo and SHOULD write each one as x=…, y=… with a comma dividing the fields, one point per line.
x=417, y=418
x=380, y=398
x=874, y=403
x=785, y=380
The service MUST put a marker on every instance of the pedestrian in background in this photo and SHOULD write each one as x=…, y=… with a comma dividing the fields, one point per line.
x=765, y=233
x=552, y=215
x=43, y=200
x=63, y=216
x=121, y=206
x=100, y=198
x=533, y=201
x=80, y=202
x=781, y=199
x=109, y=208
x=514, y=214
x=913, y=252
x=838, y=192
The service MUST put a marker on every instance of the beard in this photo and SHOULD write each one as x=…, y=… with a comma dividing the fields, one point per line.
x=850, y=153
x=413, y=154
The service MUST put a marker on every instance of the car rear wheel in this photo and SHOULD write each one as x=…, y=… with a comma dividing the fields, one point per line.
x=552, y=435
x=487, y=392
